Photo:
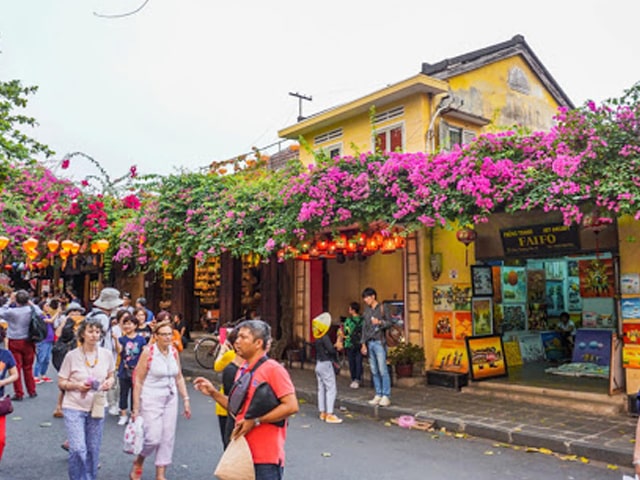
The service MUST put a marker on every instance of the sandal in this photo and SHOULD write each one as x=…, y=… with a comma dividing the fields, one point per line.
x=136, y=472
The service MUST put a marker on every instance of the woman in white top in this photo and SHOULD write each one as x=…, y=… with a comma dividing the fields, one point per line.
x=158, y=381
x=86, y=373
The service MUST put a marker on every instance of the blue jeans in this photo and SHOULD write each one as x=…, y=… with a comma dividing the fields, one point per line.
x=379, y=371
x=43, y=358
x=268, y=471
x=85, y=437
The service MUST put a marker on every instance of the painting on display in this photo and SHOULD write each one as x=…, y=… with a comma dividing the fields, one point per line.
x=443, y=324
x=536, y=286
x=555, y=270
x=514, y=285
x=538, y=318
x=598, y=312
x=631, y=333
x=630, y=283
x=555, y=297
x=631, y=356
x=486, y=357
x=512, y=353
x=574, y=300
x=496, y=273
x=592, y=346
x=553, y=346
x=531, y=347
x=482, y=316
x=452, y=356
x=572, y=268
x=481, y=281
x=443, y=298
x=461, y=296
x=462, y=327
x=514, y=317
x=498, y=318
x=630, y=307
x=596, y=278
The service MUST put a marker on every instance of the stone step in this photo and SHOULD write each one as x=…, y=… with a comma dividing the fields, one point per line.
x=594, y=403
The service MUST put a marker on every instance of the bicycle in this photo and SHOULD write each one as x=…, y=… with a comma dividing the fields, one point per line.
x=206, y=350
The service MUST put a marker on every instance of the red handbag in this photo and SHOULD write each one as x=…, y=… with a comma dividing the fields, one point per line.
x=6, y=407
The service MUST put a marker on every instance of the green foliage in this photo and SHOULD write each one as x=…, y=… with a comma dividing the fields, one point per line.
x=405, y=354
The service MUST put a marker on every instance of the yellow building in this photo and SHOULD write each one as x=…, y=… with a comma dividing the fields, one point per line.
x=446, y=103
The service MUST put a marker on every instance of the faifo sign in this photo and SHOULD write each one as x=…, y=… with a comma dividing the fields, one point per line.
x=538, y=240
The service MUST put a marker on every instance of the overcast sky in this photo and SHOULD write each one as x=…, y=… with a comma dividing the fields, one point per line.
x=185, y=82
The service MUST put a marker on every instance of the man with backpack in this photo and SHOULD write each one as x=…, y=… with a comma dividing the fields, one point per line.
x=17, y=313
x=352, y=337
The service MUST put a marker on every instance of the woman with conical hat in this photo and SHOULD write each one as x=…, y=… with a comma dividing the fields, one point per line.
x=325, y=355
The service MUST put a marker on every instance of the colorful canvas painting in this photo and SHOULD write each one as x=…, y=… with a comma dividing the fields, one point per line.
x=535, y=286
x=599, y=312
x=592, y=346
x=443, y=298
x=631, y=356
x=538, y=318
x=553, y=345
x=462, y=327
x=514, y=285
x=631, y=333
x=630, y=308
x=531, y=347
x=481, y=281
x=572, y=268
x=514, y=317
x=574, y=300
x=461, y=296
x=596, y=278
x=482, y=316
x=443, y=324
x=512, y=353
x=486, y=357
x=498, y=318
x=496, y=273
x=555, y=297
x=452, y=356
x=555, y=269
x=630, y=283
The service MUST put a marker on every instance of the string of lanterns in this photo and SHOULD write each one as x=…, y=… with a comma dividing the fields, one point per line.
x=344, y=245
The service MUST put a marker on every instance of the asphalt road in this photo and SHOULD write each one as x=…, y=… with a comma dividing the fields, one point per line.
x=361, y=447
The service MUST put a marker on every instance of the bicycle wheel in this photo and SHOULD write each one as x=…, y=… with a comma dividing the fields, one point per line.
x=206, y=351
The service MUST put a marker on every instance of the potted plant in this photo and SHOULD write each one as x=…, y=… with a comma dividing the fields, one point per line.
x=404, y=356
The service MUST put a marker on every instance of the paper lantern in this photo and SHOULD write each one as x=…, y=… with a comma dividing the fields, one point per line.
x=53, y=245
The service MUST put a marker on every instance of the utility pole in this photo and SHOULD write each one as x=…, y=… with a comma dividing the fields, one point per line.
x=300, y=97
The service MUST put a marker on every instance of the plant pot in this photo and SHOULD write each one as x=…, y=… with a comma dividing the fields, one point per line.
x=404, y=371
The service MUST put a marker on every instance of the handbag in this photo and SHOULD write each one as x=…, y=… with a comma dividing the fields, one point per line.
x=98, y=404
x=263, y=401
x=134, y=436
x=336, y=367
x=6, y=407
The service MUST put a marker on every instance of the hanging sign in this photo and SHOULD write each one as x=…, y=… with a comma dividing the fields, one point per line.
x=540, y=240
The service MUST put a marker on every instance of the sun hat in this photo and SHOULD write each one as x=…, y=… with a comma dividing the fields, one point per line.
x=74, y=306
x=109, y=299
x=320, y=325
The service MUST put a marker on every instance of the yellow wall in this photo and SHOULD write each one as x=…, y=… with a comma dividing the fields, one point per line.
x=383, y=273
x=487, y=90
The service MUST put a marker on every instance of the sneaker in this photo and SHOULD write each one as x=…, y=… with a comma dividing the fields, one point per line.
x=114, y=410
x=385, y=401
x=38, y=381
x=354, y=384
x=323, y=416
x=33, y=395
x=16, y=398
x=375, y=400
x=331, y=418
x=46, y=380
x=123, y=420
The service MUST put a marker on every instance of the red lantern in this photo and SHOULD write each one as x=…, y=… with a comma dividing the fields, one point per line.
x=322, y=245
x=341, y=242
x=467, y=236
x=388, y=245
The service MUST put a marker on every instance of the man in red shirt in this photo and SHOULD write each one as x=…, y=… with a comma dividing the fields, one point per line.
x=266, y=439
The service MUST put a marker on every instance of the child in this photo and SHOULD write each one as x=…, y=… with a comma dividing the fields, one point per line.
x=129, y=346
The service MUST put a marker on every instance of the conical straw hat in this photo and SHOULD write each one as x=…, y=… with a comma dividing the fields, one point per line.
x=320, y=325
x=236, y=462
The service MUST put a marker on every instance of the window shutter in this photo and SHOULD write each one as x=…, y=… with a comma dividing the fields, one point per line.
x=468, y=136
x=396, y=139
x=381, y=142
x=445, y=143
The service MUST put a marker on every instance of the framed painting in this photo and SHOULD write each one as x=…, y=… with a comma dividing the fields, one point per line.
x=574, y=300
x=462, y=327
x=443, y=325
x=514, y=317
x=531, y=347
x=596, y=278
x=553, y=345
x=461, y=296
x=443, y=298
x=482, y=316
x=555, y=297
x=452, y=356
x=481, y=281
x=631, y=333
x=535, y=286
x=486, y=357
x=514, y=285
x=630, y=307
x=496, y=273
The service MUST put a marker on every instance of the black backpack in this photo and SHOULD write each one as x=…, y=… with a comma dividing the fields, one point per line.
x=65, y=343
x=37, y=327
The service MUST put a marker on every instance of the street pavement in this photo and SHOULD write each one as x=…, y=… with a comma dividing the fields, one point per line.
x=605, y=438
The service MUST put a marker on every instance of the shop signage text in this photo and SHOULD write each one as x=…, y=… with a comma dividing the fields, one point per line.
x=540, y=240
